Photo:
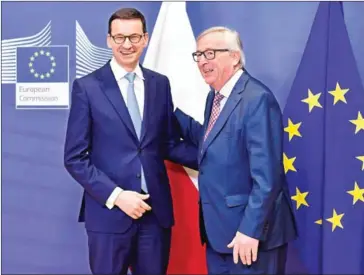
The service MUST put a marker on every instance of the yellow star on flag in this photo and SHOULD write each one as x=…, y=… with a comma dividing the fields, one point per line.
x=288, y=163
x=300, y=198
x=357, y=193
x=339, y=94
x=312, y=100
x=292, y=129
x=359, y=123
x=319, y=222
x=361, y=158
x=335, y=220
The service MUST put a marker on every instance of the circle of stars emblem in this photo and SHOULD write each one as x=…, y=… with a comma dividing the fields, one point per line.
x=34, y=57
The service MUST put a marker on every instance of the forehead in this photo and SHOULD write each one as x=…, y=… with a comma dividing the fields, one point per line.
x=126, y=26
x=212, y=40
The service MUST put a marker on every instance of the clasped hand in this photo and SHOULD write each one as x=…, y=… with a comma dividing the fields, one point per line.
x=132, y=203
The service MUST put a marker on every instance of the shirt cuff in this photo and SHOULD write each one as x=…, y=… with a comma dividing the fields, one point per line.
x=110, y=203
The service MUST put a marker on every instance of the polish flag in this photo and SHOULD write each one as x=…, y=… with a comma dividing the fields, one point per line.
x=170, y=53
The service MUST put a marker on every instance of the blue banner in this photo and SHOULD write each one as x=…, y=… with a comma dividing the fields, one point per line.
x=42, y=64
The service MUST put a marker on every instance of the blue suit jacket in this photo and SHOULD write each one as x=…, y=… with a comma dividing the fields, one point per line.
x=241, y=178
x=102, y=150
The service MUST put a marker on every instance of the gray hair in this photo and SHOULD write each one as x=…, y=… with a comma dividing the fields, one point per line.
x=233, y=39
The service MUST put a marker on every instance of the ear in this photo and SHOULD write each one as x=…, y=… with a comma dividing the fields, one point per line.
x=146, y=39
x=236, y=57
x=109, y=41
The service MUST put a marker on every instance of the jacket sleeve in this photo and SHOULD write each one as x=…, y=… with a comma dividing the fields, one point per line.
x=179, y=150
x=263, y=130
x=77, y=147
x=191, y=130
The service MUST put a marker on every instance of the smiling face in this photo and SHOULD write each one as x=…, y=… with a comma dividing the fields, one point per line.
x=219, y=70
x=127, y=54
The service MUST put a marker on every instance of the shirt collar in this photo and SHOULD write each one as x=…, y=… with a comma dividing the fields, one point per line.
x=228, y=87
x=119, y=72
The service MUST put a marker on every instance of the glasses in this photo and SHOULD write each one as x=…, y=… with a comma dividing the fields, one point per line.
x=208, y=54
x=120, y=39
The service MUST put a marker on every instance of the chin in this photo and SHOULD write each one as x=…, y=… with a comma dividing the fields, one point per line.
x=209, y=80
x=127, y=61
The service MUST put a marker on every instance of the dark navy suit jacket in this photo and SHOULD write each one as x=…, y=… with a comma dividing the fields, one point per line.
x=102, y=150
x=241, y=178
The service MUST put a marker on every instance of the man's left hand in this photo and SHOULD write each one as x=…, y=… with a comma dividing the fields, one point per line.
x=245, y=247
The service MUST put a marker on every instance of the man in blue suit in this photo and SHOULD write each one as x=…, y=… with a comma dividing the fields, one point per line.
x=120, y=131
x=246, y=216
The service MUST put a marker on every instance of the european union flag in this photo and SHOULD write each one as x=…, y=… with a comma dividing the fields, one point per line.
x=324, y=151
x=42, y=64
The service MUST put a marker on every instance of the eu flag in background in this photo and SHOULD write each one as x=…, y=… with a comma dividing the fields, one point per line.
x=324, y=151
x=42, y=64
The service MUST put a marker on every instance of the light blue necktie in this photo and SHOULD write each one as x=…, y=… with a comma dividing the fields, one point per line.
x=135, y=116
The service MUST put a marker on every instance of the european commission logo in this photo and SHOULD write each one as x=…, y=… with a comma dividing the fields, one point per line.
x=42, y=78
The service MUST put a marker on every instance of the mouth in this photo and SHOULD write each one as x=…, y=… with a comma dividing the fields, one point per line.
x=207, y=71
x=123, y=53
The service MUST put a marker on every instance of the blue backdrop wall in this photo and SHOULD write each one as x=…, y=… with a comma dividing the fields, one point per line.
x=40, y=201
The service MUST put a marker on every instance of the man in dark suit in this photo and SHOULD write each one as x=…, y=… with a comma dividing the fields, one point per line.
x=120, y=131
x=246, y=216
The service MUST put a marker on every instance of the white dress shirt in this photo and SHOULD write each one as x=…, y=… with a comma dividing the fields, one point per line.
x=228, y=87
x=119, y=74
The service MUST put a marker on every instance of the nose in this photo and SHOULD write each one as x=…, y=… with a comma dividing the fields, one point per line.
x=202, y=61
x=127, y=44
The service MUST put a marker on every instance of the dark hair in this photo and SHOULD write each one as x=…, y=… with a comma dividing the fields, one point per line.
x=128, y=13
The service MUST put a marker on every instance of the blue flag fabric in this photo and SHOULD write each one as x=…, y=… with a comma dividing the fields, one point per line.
x=324, y=151
x=42, y=64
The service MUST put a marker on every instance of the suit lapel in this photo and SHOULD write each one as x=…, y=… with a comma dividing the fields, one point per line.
x=150, y=93
x=111, y=89
x=209, y=101
x=233, y=100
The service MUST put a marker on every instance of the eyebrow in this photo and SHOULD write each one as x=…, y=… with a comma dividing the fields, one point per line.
x=207, y=49
x=122, y=34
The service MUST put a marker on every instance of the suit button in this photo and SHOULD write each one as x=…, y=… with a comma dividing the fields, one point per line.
x=201, y=172
x=138, y=176
x=139, y=150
